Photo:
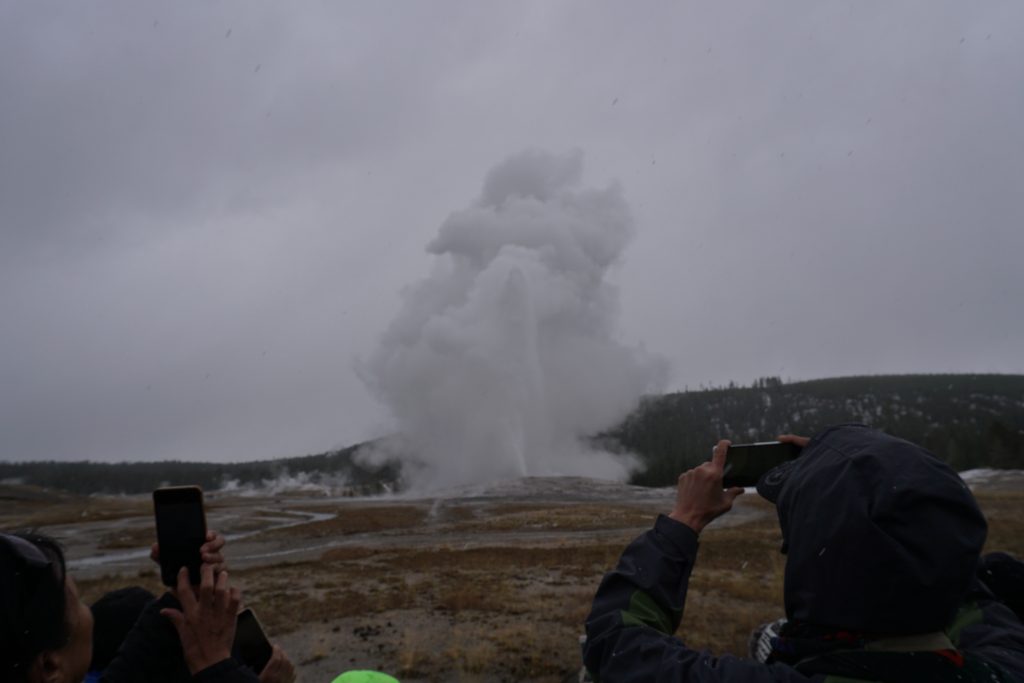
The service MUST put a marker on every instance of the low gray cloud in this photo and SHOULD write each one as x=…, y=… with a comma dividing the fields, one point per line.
x=206, y=213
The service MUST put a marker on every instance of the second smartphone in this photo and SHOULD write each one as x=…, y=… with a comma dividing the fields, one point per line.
x=180, y=531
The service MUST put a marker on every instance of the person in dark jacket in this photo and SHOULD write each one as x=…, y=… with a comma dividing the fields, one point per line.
x=46, y=630
x=882, y=579
x=185, y=633
x=114, y=615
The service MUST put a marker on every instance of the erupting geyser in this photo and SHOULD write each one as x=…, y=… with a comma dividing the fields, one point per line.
x=504, y=359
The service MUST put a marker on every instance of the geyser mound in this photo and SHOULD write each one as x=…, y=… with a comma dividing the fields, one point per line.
x=503, y=360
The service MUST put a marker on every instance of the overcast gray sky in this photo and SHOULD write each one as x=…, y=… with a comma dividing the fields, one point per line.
x=208, y=210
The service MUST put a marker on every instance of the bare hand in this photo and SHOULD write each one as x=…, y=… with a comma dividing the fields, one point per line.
x=800, y=441
x=210, y=552
x=699, y=495
x=279, y=668
x=206, y=621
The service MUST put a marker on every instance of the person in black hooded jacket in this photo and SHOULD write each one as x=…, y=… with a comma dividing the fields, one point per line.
x=883, y=578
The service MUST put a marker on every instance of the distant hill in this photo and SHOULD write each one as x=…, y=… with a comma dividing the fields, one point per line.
x=337, y=469
x=969, y=421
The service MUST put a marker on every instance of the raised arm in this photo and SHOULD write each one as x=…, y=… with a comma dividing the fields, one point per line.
x=639, y=605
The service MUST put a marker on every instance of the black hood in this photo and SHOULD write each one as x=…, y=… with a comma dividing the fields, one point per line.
x=882, y=536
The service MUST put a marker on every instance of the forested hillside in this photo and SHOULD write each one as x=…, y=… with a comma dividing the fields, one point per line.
x=967, y=420
x=336, y=468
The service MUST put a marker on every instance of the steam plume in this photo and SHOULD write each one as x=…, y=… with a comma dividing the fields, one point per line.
x=504, y=358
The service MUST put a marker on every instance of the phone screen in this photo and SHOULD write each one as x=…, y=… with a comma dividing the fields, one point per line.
x=251, y=646
x=745, y=463
x=180, y=531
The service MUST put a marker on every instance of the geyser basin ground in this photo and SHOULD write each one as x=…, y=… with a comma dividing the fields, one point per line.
x=486, y=583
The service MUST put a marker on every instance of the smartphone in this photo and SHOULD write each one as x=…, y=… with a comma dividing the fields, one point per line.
x=746, y=462
x=180, y=531
x=251, y=646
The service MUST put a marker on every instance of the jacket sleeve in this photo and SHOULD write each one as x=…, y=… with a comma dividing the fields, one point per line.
x=986, y=626
x=151, y=653
x=638, y=607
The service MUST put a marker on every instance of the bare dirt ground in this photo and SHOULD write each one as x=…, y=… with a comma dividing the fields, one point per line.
x=486, y=584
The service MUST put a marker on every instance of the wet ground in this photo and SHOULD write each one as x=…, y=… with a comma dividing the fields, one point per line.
x=247, y=522
x=485, y=583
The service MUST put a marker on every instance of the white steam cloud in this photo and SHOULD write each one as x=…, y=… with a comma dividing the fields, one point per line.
x=327, y=485
x=503, y=360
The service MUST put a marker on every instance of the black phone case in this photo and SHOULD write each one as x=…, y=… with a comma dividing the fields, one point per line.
x=752, y=461
x=251, y=646
x=177, y=550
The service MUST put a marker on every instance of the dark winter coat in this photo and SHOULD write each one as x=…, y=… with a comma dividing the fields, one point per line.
x=882, y=539
x=151, y=653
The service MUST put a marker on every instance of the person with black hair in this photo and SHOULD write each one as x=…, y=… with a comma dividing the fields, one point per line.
x=884, y=578
x=46, y=630
x=152, y=650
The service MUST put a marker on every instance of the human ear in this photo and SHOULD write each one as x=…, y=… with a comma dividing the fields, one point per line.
x=48, y=668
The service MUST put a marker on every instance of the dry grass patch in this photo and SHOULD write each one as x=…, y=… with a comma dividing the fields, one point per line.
x=568, y=517
x=484, y=594
x=38, y=514
x=356, y=520
x=349, y=554
x=416, y=655
x=469, y=653
x=535, y=650
x=1003, y=510
x=502, y=558
x=288, y=597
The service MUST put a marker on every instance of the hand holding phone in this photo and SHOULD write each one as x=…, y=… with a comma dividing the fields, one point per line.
x=700, y=497
x=206, y=620
x=180, y=531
